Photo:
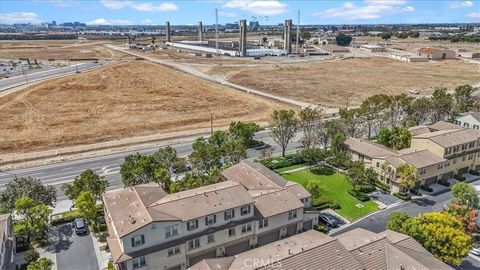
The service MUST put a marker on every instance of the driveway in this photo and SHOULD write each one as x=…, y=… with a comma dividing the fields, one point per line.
x=74, y=252
x=384, y=198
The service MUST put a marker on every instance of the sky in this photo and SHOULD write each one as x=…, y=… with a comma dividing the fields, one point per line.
x=125, y=12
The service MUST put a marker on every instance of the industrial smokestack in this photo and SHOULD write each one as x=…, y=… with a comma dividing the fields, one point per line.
x=200, y=31
x=243, y=38
x=167, y=32
x=287, y=40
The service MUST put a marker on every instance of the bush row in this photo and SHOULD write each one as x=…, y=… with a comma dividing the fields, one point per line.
x=402, y=196
x=444, y=182
x=459, y=177
x=382, y=186
x=69, y=216
x=281, y=162
x=322, y=203
x=426, y=188
x=472, y=172
x=359, y=195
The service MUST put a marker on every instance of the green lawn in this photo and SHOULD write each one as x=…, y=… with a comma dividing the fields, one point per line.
x=336, y=188
x=284, y=169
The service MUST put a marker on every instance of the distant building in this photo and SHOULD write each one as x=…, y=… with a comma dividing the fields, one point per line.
x=335, y=49
x=408, y=58
x=253, y=24
x=7, y=242
x=436, y=54
x=471, y=120
x=357, y=249
x=373, y=48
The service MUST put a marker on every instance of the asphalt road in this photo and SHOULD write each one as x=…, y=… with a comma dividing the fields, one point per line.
x=74, y=252
x=7, y=83
x=109, y=165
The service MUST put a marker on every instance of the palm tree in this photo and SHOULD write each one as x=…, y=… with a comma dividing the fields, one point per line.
x=408, y=176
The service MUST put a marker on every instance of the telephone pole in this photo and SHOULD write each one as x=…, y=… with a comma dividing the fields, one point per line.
x=216, y=30
x=298, y=30
x=211, y=124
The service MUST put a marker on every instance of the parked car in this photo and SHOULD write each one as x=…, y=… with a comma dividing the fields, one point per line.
x=475, y=250
x=414, y=92
x=80, y=226
x=329, y=221
x=262, y=146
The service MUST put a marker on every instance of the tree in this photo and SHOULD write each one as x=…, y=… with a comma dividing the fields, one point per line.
x=372, y=110
x=31, y=256
x=408, y=176
x=88, y=180
x=397, y=106
x=315, y=187
x=141, y=169
x=356, y=174
x=386, y=36
x=419, y=111
x=309, y=119
x=167, y=157
x=313, y=156
x=42, y=264
x=305, y=34
x=351, y=120
x=442, y=104
x=233, y=151
x=205, y=155
x=396, y=138
x=343, y=40
x=463, y=97
x=465, y=194
x=244, y=132
x=32, y=218
x=327, y=131
x=466, y=215
x=398, y=221
x=85, y=202
x=29, y=187
x=284, y=126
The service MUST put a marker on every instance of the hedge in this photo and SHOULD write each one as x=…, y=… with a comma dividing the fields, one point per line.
x=322, y=203
x=69, y=216
x=367, y=189
x=426, y=188
x=444, y=182
x=281, y=162
x=321, y=228
x=402, y=196
x=359, y=195
x=472, y=172
x=459, y=177
x=382, y=186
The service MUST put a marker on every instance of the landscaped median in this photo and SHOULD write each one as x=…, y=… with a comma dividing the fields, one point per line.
x=335, y=187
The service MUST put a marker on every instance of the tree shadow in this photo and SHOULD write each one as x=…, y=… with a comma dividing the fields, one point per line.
x=65, y=238
x=322, y=170
x=423, y=202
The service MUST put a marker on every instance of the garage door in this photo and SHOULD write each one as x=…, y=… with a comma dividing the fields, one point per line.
x=462, y=171
x=447, y=175
x=477, y=168
x=431, y=180
x=308, y=225
x=292, y=230
x=195, y=259
x=268, y=238
x=238, y=248
x=179, y=267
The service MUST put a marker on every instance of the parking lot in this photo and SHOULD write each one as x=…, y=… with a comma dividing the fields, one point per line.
x=74, y=252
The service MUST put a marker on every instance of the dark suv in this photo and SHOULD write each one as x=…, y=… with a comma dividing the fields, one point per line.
x=80, y=226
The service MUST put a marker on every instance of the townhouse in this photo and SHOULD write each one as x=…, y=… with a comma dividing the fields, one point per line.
x=356, y=249
x=7, y=242
x=439, y=151
x=254, y=206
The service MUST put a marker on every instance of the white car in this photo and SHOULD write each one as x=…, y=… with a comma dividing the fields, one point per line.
x=414, y=92
x=475, y=250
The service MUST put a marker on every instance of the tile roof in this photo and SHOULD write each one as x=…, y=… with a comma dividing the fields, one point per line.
x=277, y=202
x=442, y=125
x=417, y=130
x=449, y=138
x=420, y=158
x=369, y=148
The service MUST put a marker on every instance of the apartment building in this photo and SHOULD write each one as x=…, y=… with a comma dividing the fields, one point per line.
x=356, y=249
x=254, y=206
x=7, y=242
x=470, y=120
x=439, y=151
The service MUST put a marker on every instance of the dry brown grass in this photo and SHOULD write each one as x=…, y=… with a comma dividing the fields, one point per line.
x=56, y=49
x=128, y=99
x=329, y=82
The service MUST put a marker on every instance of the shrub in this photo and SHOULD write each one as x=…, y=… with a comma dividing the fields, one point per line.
x=69, y=216
x=382, y=186
x=415, y=191
x=281, y=162
x=110, y=266
x=473, y=172
x=367, y=189
x=322, y=203
x=31, y=256
x=321, y=228
x=402, y=196
x=359, y=195
x=459, y=178
x=444, y=182
x=103, y=237
x=426, y=188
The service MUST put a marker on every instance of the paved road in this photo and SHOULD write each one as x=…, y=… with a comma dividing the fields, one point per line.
x=74, y=252
x=378, y=221
x=41, y=75
x=109, y=165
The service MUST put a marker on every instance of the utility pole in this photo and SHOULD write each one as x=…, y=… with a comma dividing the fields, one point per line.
x=216, y=30
x=298, y=30
x=211, y=124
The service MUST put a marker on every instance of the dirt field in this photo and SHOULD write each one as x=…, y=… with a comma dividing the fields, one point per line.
x=330, y=82
x=56, y=49
x=128, y=99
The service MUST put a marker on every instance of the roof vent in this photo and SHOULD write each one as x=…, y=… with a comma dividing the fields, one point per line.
x=132, y=219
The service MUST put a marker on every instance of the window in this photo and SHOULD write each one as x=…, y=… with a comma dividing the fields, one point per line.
x=471, y=145
x=192, y=225
x=440, y=166
x=231, y=232
x=139, y=262
x=292, y=214
x=211, y=219
x=171, y=231
x=454, y=161
x=194, y=243
x=138, y=240
x=423, y=171
x=463, y=158
x=465, y=124
x=245, y=210
x=173, y=251
x=377, y=164
x=447, y=164
x=229, y=214
x=211, y=238
x=246, y=227
x=470, y=157
x=475, y=126
x=263, y=223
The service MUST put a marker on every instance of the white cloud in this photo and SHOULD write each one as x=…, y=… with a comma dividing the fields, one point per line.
x=119, y=4
x=227, y=14
x=371, y=9
x=258, y=7
x=460, y=4
x=19, y=17
x=147, y=21
x=474, y=15
x=102, y=21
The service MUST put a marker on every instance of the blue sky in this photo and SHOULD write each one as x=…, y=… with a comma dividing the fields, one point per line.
x=266, y=12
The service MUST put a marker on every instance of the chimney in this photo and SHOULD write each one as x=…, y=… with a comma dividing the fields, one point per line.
x=200, y=31
x=167, y=32
x=243, y=38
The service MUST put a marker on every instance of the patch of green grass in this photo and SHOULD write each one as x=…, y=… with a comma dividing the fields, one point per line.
x=336, y=187
x=288, y=168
